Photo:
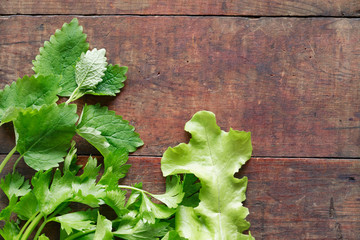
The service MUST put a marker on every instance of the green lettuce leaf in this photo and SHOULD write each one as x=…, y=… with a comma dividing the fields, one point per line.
x=59, y=56
x=43, y=136
x=27, y=92
x=107, y=127
x=214, y=156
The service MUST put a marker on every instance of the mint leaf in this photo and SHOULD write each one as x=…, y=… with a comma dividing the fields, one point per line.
x=43, y=136
x=14, y=185
x=214, y=156
x=59, y=56
x=82, y=220
x=10, y=230
x=103, y=229
x=116, y=131
x=27, y=92
x=111, y=82
x=89, y=72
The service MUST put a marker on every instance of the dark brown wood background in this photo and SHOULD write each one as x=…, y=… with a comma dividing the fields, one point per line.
x=288, y=71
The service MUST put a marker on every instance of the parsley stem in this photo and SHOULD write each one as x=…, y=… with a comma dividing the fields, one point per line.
x=16, y=163
x=32, y=226
x=134, y=188
x=7, y=158
x=80, y=234
x=26, y=225
x=38, y=232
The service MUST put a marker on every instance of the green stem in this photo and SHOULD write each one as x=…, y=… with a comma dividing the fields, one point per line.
x=7, y=158
x=16, y=163
x=38, y=232
x=32, y=226
x=134, y=188
x=73, y=96
x=80, y=234
x=26, y=225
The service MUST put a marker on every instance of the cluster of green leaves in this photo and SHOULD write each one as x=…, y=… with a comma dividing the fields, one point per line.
x=203, y=199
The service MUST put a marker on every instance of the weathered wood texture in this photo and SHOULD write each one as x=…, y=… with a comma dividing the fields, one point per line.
x=287, y=198
x=293, y=82
x=184, y=7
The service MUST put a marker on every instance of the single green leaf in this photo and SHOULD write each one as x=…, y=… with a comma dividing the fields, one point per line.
x=27, y=206
x=103, y=229
x=27, y=92
x=70, y=165
x=14, y=184
x=10, y=230
x=43, y=237
x=117, y=132
x=116, y=200
x=112, y=81
x=191, y=187
x=214, y=156
x=43, y=136
x=59, y=56
x=81, y=221
x=115, y=168
x=89, y=71
x=135, y=229
x=51, y=192
x=174, y=192
x=149, y=211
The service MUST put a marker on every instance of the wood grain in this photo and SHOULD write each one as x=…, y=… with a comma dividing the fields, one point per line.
x=287, y=198
x=184, y=7
x=293, y=82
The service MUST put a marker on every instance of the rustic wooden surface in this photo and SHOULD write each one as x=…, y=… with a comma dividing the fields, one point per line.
x=292, y=81
x=287, y=198
x=185, y=7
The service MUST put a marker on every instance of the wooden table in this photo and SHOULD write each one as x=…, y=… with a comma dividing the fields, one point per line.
x=288, y=71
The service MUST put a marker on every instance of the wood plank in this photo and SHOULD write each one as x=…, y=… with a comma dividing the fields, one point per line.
x=293, y=82
x=287, y=198
x=184, y=7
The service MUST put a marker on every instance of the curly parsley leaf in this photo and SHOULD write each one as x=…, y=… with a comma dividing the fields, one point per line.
x=27, y=92
x=214, y=156
x=107, y=127
x=43, y=136
x=59, y=55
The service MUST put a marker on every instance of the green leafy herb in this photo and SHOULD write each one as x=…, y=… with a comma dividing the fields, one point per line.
x=59, y=55
x=43, y=136
x=106, y=130
x=214, y=156
x=27, y=92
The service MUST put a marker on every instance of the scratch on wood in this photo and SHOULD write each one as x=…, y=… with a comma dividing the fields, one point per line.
x=332, y=213
x=339, y=235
